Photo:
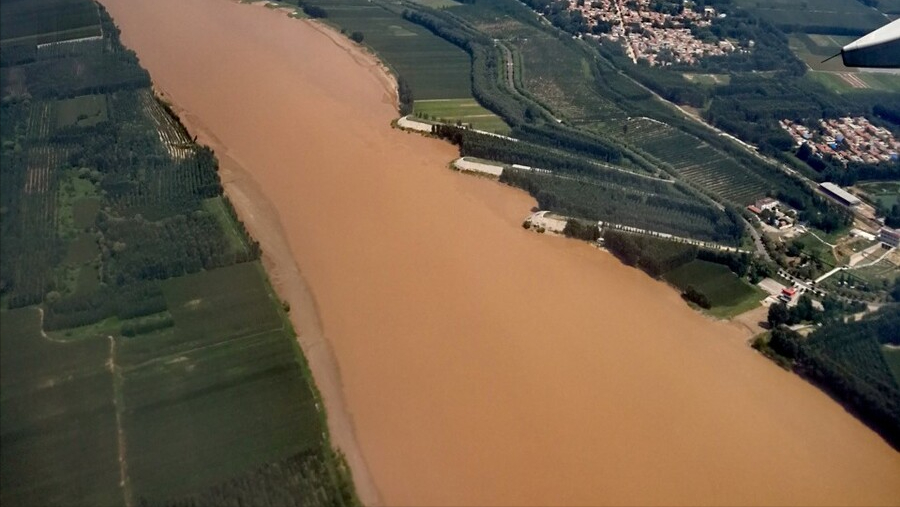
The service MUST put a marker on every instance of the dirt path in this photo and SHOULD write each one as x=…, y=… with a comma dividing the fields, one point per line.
x=119, y=403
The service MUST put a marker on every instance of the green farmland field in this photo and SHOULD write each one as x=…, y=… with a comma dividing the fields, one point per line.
x=28, y=20
x=437, y=4
x=82, y=249
x=85, y=212
x=835, y=81
x=814, y=247
x=887, y=193
x=816, y=16
x=84, y=111
x=145, y=358
x=467, y=111
x=665, y=209
x=728, y=294
x=813, y=49
x=566, y=77
x=892, y=358
x=708, y=79
x=216, y=207
x=697, y=161
x=58, y=442
x=434, y=68
x=219, y=392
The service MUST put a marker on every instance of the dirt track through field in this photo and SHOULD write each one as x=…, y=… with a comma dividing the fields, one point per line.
x=464, y=360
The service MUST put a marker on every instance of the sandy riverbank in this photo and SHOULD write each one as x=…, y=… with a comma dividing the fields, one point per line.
x=480, y=363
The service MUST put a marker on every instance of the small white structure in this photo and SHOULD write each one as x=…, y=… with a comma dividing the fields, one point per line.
x=406, y=123
x=478, y=167
x=862, y=234
x=766, y=203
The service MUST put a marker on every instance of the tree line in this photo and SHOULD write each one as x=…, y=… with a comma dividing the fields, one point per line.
x=845, y=359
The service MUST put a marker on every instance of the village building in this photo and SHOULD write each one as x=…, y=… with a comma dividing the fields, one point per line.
x=659, y=38
x=846, y=140
x=767, y=203
x=889, y=236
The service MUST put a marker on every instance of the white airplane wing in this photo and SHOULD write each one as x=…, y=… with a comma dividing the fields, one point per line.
x=880, y=48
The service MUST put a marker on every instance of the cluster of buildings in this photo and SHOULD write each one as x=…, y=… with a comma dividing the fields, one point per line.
x=771, y=212
x=846, y=139
x=660, y=38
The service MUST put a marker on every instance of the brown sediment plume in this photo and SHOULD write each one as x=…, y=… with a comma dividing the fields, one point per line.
x=479, y=363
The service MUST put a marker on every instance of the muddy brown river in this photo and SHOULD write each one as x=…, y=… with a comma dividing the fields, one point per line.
x=464, y=360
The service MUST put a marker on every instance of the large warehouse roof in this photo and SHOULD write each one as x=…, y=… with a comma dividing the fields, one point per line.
x=840, y=193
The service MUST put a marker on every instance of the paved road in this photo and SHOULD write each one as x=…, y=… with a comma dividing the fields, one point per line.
x=757, y=241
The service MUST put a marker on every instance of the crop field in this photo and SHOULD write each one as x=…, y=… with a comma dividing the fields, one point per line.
x=58, y=418
x=217, y=393
x=559, y=75
x=668, y=212
x=554, y=72
x=884, y=81
x=171, y=134
x=82, y=249
x=858, y=353
x=35, y=216
x=466, y=111
x=887, y=193
x=697, y=161
x=812, y=246
x=843, y=82
x=85, y=212
x=816, y=16
x=216, y=207
x=814, y=48
x=88, y=280
x=564, y=75
x=220, y=392
x=437, y=4
x=41, y=120
x=708, y=79
x=892, y=358
x=728, y=294
x=28, y=20
x=433, y=67
x=84, y=111
x=880, y=272
x=135, y=382
x=305, y=475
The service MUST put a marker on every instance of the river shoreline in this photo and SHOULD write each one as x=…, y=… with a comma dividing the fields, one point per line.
x=461, y=379
x=264, y=225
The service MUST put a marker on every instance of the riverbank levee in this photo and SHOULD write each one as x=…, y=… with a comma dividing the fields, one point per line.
x=475, y=362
